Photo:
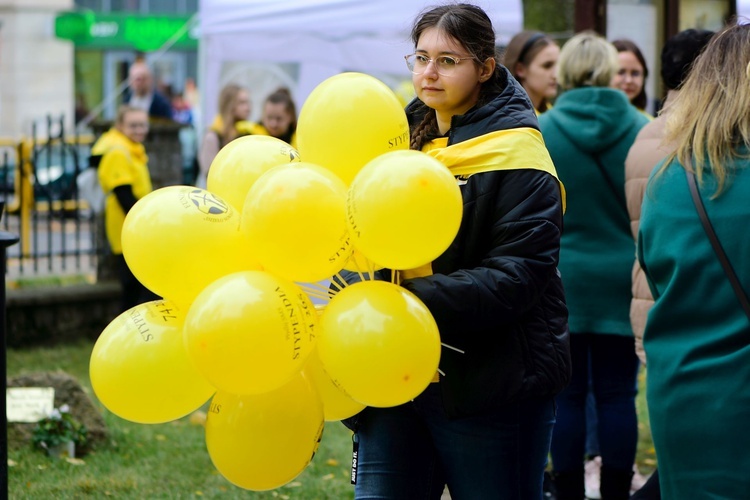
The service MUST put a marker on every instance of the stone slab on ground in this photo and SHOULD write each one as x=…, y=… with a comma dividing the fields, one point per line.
x=68, y=391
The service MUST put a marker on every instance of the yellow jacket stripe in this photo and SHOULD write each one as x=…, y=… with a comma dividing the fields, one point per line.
x=511, y=149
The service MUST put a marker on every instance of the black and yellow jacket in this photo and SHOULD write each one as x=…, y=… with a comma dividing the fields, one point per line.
x=496, y=293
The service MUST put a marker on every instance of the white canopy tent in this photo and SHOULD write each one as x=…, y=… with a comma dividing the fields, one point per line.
x=264, y=44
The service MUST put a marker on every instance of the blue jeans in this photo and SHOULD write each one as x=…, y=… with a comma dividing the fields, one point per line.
x=592, y=429
x=613, y=369
x=412, y=451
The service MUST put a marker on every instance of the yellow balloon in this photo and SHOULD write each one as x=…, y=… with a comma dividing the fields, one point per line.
x=379, y=343
x=140, y=370
x=295, y=217
x=337, y=405
x=261, y=442
x=359, y=263
x=179, y=239
x=403, y=209
x=239, y=164
x=250, y=332
x=348, y=120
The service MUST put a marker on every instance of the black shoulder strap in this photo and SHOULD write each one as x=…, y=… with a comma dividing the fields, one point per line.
x=741, y=296
x=619, y=195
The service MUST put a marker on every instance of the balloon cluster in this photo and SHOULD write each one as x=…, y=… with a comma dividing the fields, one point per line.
x=240, y=263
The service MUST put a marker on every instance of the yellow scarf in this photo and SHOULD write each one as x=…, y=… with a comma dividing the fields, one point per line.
x=112, y=139
x=243, y=127
x=502, y=150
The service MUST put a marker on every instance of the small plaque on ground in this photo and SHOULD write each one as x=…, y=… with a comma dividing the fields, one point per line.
x=29, y=404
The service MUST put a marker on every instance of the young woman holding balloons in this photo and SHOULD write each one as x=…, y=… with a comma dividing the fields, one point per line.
x=483, y=428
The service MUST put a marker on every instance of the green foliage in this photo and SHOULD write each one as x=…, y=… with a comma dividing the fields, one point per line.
x=58, y=428
x=47, y=281
x=537, y=15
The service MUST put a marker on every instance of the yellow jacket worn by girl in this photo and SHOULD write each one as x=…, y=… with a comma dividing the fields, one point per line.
x=123, y=162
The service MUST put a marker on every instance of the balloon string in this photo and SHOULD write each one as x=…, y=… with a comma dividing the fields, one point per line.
x=312, y=292
x=454, y=348
x=316, y=295
x=441, y=372
x=341, y=284
x=361, y=276
x=371, y=269
x=318, y=286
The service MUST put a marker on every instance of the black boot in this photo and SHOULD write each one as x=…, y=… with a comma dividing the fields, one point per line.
x=569, y=484
x=650, y=490
x=615, y=483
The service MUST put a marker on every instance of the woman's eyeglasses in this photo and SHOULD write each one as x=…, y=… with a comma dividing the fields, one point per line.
x=444, y=65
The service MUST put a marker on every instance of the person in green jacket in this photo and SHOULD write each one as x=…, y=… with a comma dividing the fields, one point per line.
x=588, y=134
x=697, y=336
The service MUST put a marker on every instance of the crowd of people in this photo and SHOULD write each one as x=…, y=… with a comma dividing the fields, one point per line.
x=278, y=119
x=603, y=239
x=595, y=131
x=121, y=161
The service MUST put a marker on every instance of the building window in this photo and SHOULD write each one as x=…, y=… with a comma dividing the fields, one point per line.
x=703, y=14
x=95, y=5
x=140, y=6
x=126, y=5
x=164, y=7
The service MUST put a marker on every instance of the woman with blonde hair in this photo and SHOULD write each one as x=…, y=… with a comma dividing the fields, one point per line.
x=697, y=336
x=230, y=123
x=588, y=134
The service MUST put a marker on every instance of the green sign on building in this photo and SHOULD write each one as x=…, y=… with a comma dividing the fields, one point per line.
x=124, y=31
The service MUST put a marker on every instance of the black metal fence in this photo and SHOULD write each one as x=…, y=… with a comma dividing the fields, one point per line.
x=57, y=230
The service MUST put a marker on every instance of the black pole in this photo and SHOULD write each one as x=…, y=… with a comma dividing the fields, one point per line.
x=6, y=239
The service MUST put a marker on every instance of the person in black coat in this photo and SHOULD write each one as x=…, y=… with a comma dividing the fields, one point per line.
x=484, y=427
x=142, y=94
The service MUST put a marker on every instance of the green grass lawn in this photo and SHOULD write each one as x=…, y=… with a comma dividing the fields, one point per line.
x=154, y=461
x=170, y=460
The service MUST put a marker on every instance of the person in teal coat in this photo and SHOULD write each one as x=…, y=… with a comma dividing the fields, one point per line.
x=588, y=134
x=697, y=336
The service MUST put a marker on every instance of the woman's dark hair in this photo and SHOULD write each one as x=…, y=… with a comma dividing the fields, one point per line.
x=678, y=55
x=470, y=26
x=624, y=45
x=282, y=95
x=523, y=48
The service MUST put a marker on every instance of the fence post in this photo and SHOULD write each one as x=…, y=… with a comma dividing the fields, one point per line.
x=6, y=239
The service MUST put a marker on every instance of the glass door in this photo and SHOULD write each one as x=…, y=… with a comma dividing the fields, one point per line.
x=116, y=64
x=703, y=14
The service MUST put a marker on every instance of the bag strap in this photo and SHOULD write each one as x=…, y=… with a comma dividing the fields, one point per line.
x=619, y=195
x=728, y=270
